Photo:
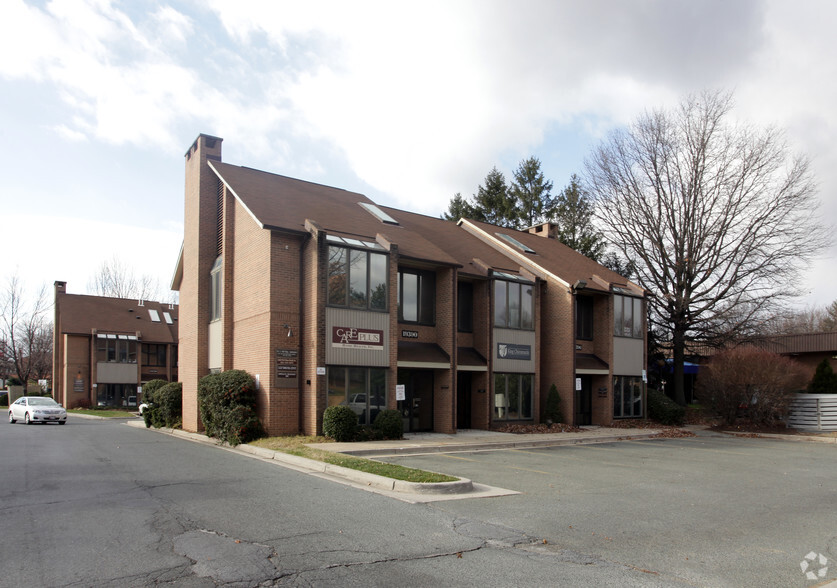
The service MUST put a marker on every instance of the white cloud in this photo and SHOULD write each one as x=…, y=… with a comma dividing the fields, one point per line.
x=72, y=249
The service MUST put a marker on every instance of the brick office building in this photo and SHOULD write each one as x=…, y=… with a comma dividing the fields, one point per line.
x=105, y=349
x=329, y=299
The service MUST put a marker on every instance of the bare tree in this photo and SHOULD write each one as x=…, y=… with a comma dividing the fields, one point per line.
x=25, y=334
x=115, y=279
x=719, y=217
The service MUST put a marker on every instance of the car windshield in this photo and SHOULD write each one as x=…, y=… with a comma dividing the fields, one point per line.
x=42, y=402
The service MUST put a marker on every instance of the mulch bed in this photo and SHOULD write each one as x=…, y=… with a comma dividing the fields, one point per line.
x=543, y=428
x=665, y=431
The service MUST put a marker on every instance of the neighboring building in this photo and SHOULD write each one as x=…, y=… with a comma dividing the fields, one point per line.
x=329, y=299
x=807, y=349
x=105, y=349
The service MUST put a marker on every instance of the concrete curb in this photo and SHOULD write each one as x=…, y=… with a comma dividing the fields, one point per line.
x=461, y=486
x=779, y=437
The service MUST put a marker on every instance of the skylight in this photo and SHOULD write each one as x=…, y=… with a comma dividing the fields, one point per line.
x=167, y=316
x=353, y=242
x=511, y=240
x=155, y=316
x=378, y=213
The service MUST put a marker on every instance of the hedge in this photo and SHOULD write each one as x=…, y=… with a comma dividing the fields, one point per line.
x=227, y=405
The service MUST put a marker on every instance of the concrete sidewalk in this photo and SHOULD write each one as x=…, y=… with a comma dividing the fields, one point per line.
x=475, y=440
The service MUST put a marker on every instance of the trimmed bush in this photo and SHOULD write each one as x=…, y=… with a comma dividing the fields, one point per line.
x=149, y=397
x=168, y=407
x=664, y=410
x=227, y=405
x=390, y=423
x=340, y=423
x=824, y=380
x=552, y=411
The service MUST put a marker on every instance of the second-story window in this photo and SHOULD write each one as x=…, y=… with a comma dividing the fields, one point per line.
x=153, y=355
x=416, y=296
x=627, y=316
x=513, y=305
x=215, y=291
x=465, y=307
x=357, y=279
x=584, y=318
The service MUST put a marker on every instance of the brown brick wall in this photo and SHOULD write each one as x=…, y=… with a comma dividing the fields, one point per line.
x=557, y=338
x=198, y=256
x=313, y=395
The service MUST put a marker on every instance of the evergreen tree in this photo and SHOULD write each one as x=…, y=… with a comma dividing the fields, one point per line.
x=530, y=192
x=824, y=380
x=493, y=203
x=574, y=219
x=459, y=208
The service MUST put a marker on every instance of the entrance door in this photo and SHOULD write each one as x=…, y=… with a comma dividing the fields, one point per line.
x=417, y=407
x=584, y=402
x=463, y=400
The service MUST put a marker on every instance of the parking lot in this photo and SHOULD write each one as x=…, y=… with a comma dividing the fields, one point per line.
x=713, y=511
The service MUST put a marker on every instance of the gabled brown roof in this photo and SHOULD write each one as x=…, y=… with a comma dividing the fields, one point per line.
x=459, y=244
x=553, y=256
x=79, y=314
x=279, y=202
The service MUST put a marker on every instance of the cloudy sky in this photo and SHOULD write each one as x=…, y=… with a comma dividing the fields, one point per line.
x=407, y=103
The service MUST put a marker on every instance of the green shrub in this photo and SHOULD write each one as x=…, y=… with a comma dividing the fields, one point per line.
x=390, y=424
x=168, y=406
x=149, y=390
x=552, y=411
x=14, y=381
x=227, y=405
x=664, y=410
x=824, y=380
x=340, y=423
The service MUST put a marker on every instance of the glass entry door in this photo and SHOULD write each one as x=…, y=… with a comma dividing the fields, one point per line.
x=417, y=407
x=584, y=402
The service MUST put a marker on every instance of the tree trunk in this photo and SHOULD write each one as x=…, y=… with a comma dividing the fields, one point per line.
x=679, y=358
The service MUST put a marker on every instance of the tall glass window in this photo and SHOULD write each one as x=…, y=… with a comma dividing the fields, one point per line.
x=215, y=290
x=416, y=296
x=465, y=307
x=513, y=397
x=357, y=278
x=113, y=348
x=627, y=316
x=361, y=389
x=513, y=305
x=627, y=397
x=584, y=317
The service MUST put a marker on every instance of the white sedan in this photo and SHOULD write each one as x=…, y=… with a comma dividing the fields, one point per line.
x=37, y=409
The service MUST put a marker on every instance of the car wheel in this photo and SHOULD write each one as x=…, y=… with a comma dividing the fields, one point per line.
x=12, y=418
x=26, y=419
x=62, y=422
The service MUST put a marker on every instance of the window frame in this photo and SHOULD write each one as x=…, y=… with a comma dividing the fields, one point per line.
x=465, y=307
x=634, y=385
x=160, y=354
x=584, y=307
x=345, y=383
x=625, y=310
x=216, y=293
x=525, y=387
x=347, y=280
x=425, y=296
x=503, y=319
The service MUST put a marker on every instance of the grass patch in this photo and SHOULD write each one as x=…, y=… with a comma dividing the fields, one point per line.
x=110, y=413
x=298, y=446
